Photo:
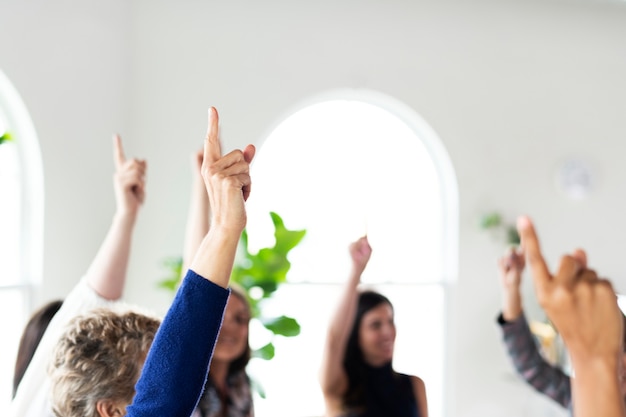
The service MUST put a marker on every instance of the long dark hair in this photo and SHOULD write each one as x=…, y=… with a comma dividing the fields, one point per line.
x=354, y=363
x=31, y=336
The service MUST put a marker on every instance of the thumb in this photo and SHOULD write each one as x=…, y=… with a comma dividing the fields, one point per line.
x=248, y=153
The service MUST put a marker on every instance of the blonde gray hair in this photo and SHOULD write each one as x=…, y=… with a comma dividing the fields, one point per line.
x=99, y=357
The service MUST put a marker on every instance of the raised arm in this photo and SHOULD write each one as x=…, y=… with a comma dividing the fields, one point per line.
x=107, y=273
x=585, y=312
x=519, y=341
x=176, y=366
x=333, y=378
x=511, y=267
x=198, y=214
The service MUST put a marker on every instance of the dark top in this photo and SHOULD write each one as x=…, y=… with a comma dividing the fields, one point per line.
x=386, y=394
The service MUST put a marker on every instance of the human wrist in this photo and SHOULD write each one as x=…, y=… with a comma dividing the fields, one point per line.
x=596, y=362
x=226, y=234
x=125, y=216
x=511, y=306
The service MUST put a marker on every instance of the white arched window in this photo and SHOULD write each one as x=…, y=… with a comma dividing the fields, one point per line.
x=350, y=163
x=21, y=226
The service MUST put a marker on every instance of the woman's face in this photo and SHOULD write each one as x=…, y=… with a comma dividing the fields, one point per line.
x=233, y=339
x=377, y=335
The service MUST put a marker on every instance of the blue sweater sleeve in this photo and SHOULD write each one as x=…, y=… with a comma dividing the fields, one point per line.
x=177, y=364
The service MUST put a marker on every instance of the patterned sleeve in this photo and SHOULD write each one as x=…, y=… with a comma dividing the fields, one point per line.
x=529, y=363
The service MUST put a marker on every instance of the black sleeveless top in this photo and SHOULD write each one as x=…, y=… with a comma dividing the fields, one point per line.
x=386, y=394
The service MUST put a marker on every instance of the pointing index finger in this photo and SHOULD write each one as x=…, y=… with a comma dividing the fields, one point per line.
x=118, y=151
x=530, y=244
x=212, y=146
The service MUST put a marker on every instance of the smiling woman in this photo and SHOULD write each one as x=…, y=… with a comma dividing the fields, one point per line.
x=398, y=188
x=21, y=223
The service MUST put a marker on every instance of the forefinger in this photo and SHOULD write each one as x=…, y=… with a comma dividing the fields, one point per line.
x=212, y=146
x=118, y=151
x=530, y=244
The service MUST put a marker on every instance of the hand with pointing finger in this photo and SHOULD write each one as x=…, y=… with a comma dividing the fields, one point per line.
x=129, y=180
x=360, y=252
x=511, y=267
x=227, y=179
x=227, y=182
x=582, y=307
x=584, y=310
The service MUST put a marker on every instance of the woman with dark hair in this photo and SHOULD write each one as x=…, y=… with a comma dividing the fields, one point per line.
x=31, y=336
x=227, y=392
x=357, y=377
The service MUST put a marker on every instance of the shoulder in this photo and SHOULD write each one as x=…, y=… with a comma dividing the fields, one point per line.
x=417, y=382
x=419, y=390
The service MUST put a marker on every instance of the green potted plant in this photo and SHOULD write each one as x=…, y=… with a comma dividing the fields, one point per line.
x=260, y=274
x=504, y=230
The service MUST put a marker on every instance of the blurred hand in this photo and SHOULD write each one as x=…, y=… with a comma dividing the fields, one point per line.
x=129, y=180
x=360, y=252
x=511, y=267
x=582, y=307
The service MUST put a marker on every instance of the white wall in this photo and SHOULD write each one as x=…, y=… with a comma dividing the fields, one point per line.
x=69, y=61
x=511, y=87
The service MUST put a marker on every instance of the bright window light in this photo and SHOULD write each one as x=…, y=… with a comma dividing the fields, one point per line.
x=341, y=169
x=21, y=227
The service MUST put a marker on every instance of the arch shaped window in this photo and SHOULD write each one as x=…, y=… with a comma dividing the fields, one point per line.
x=342, y=165
x=21, y=225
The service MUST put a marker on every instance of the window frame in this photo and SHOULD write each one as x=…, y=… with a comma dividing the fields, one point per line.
x=449, y=194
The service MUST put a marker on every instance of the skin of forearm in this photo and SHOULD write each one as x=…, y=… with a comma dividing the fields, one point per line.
x=337, y=337
x=596, y=388
x=511, y=304
x=346, y=311
x=216, y=255
x=197, y=224
x=107, y=273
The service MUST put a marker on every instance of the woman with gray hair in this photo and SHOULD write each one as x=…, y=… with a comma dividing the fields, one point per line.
x=176, y=365
x=101, y=287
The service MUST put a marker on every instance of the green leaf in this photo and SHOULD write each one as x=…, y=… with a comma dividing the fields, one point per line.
x=266, y=269
x=6, y=137
x=174, y=266
x=258, y=387
x=169, y=284
x=266, y=352
x=491, y=220
x=283, y=325
x=269, y=266
x=512, y=237
x=285, y=239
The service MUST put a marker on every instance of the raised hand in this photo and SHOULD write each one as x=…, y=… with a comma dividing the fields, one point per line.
x=360, y=252
x=582, y=307
x=511, y=267
x=227, y=182
x=585, y=312
x=227, y=178
x=129, y=180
